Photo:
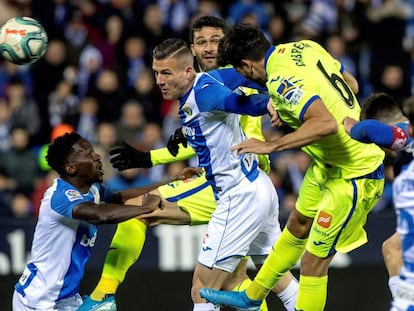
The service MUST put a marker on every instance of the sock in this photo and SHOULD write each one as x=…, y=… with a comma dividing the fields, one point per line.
x=243, y=285
x=206, y=306
x=125, y=248
x=289, y=294
x=312, y=293
x=284, y=255
x=392, y=284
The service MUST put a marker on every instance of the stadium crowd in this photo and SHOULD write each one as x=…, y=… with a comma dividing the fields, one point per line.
x=96, y=79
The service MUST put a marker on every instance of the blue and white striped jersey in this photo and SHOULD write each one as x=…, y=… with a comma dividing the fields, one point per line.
x=61, y=245
x=209, y=116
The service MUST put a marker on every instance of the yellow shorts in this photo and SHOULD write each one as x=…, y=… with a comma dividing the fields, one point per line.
x=339, y=208
x=194, y=195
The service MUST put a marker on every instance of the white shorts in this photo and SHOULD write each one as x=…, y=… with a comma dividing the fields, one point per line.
x=245, y=223
x=68, y=304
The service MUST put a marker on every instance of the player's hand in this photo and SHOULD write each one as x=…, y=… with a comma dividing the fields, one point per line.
x=274, y=116
x=151, y=202
x=189, y=172
x=349, y=124
x=126, y=156
x=174, y=141
x=253, y=145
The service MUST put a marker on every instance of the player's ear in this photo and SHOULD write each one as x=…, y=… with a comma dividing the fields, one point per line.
x=71, y=169
x=410, y=129
x=189, y=70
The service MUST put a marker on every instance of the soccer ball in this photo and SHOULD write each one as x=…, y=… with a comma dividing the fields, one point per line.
x=23, y=40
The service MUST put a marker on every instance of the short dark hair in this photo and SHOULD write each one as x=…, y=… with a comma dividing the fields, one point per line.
x=207, y=21
x=59, y=150
x=408, y=109
x=380, y=106
x=170, y=47
x=243, y=41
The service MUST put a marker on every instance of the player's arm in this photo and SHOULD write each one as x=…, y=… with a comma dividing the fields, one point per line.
x=114, y=211
x=318, y=122
x=125, y=156
x=374, y=131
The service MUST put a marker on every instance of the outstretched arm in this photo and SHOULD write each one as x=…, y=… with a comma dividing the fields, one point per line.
x=318, y=123
x=374, y=131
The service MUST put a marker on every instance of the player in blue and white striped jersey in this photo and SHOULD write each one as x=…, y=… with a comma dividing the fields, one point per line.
x=66, y=229
x=245, y=221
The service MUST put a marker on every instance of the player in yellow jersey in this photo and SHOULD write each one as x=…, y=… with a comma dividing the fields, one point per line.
x=312, y=93
x=187, y=203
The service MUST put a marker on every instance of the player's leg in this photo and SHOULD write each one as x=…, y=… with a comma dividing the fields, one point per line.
x=257, y=229
x=392, y=254
x=122, y=254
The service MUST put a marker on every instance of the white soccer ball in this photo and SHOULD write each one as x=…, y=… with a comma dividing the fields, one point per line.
x=23, y=40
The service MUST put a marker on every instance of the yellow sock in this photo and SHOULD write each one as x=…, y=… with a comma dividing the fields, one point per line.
x=125, y=248
x=312, y=293
x=284, y=255
x=243, y=285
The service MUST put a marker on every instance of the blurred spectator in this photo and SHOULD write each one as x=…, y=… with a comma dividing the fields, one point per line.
x=336, y=45
x=388, y=25
x=153, y=30
x=5, y=125
x=148, y=94
x=110, y=41
x=90, y=65
x=106, y=140
x=7, y=187
x=278, y=30
x=177, y=13
x=392, y=82
x=76, y=37
x=62, y=103
x=134, y=63
x=21, y=205
x=85, y=120
x=239, y=9
x=150, y=139
x=132, y=122
x=24, y=109
x=20, y=161
x=321, y=19
x=39, y=189
x=130, y=178
x=9, y=70
x=109, y=95
x=54, y=15
x=47, y=73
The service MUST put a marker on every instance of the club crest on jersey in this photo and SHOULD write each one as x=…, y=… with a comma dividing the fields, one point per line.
x=289, y=91
x=73, y=195
x=324, y=219
x=187, y=109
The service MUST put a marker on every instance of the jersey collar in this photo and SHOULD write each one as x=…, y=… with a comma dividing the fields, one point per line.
x=267, y=55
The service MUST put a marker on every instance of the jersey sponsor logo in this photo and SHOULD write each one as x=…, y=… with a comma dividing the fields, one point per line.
x=281, y=51
x=205, y=247
x=86, y=241
x=289, y=91
x=189, y=132
x=324, y=219
x=317, y=243
x=187, y=109
x=73, y=195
